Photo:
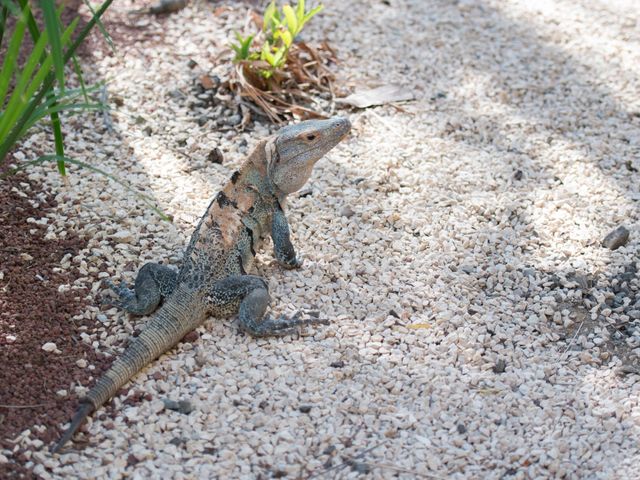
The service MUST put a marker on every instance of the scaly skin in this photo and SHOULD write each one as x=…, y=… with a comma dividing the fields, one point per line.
x=213, y=279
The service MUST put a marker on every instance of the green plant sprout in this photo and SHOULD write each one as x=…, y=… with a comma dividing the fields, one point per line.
x=280, y=29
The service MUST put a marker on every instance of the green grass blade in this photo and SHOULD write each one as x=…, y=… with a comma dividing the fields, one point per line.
x=58, y=139
x=11, y=7
x=52, y=25
x=8, y=141
x=71, y=108
x=4, y=13
x=36, y=56
x=31, y=22
x=12, y=114
x=9, y=65
x=78, y=70
x=103, y=30
x=36, y=53
x=19, y=99
x=67, y=108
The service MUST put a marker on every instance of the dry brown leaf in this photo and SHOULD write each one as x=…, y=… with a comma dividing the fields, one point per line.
x=291, y=91
x=221, y=10
x=207, y=82
x=378, y=96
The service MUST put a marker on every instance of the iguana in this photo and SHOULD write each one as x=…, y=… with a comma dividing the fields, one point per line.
x=213, y=279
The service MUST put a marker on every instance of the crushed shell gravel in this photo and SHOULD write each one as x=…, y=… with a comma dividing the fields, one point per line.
x=455, y=245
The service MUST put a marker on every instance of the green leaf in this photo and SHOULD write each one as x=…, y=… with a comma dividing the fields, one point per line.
x=246, y=45
x=287, y=38
x=31, y=22
x=292, y=23
x=271, y=17
x=19, y=98
x=242, y=47
x=300, y=12
x=280, y=57
x=78, y=70
x=9, y=65
x=19, y=101
x=266, y=55
x=7, y=142
x=311, y=13
x=52, y=26
x=11, y=7
x=4, y=13
x=103, y=30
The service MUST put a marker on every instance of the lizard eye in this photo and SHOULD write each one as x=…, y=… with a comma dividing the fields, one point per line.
x=311, y=137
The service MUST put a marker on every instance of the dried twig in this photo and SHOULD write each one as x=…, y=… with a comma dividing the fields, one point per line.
x=37, y=405
x=395, y=468
x=575, y=335
x=292, y=92
x=345, y=464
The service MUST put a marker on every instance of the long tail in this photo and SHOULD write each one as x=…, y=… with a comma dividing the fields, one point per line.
x=177, y=317
x=83, y=412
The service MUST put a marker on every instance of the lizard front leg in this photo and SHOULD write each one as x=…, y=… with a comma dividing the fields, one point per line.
x=153, y=283
x=251, y=294
x=283, y=248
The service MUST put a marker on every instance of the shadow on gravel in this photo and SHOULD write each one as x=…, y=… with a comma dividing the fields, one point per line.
x=564, y=99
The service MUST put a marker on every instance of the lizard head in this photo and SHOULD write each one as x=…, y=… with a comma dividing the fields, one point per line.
x=295, y=149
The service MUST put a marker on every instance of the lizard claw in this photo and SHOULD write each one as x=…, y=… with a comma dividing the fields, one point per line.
x=295, y=263
x=282, y=325
x=122, y=291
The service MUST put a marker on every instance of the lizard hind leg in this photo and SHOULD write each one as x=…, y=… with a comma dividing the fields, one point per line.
x=252, y=295
x=153, y=283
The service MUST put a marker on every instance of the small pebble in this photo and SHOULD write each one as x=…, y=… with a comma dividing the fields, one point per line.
x=500, y=366
x=347, y=211
x=49, y=347
x=215, y=156
x=181, y=406
x=616, y=238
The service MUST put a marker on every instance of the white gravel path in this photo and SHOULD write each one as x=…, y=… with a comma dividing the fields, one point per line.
x=466, y=340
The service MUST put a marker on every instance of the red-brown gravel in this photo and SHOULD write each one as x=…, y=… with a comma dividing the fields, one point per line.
x=32, y=313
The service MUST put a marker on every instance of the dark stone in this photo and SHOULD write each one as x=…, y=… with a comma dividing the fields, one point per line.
x=360, y=467
x=616, y=238
x=304, y=408
x=500, y=366
x=191, y=337
x=233, y=120
x=337, y=364
x=181, y=406
x=461, y=428
x=215, y=156
x=517, y=175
